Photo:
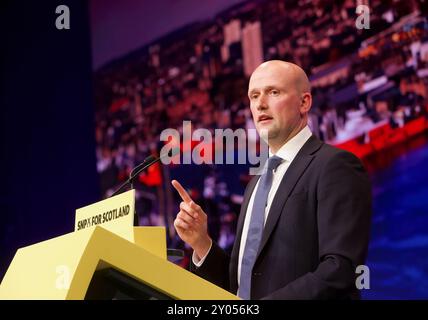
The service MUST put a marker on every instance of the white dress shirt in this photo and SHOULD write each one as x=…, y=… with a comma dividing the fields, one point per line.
x=287, y=152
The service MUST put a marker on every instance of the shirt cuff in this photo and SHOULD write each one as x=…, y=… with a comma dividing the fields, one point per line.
x=198, y=262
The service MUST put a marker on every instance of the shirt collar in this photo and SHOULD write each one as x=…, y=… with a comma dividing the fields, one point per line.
x=290, y=149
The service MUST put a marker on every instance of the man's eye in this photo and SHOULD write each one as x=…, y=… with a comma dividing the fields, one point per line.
x=274, y=92
x=254, y=96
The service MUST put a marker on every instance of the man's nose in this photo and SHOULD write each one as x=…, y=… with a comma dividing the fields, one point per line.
x=262, y=103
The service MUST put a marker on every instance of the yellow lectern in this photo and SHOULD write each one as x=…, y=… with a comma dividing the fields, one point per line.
x=64, y=267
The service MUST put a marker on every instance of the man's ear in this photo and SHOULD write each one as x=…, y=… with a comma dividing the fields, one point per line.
x=306, y=102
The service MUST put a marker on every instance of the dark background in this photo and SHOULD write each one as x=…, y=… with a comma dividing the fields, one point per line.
x=47, y=145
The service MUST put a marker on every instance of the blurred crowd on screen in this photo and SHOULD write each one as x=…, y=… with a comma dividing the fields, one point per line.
x=361, y=79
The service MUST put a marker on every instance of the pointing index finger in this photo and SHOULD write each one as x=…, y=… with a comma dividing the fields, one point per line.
x=183, y=193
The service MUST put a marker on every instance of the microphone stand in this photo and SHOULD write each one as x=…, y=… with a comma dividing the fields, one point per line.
x=130, y=181
x=150, y=160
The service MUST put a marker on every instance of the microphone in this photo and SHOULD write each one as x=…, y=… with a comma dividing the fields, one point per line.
x=149, y=161
x=146, y=161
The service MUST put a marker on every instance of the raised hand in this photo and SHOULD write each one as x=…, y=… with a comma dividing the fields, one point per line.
x=191, y=223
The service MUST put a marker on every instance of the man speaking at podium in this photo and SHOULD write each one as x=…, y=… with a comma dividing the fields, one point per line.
x=304, y=223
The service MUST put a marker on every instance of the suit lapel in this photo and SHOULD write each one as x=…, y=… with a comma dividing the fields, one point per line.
x=292, y=175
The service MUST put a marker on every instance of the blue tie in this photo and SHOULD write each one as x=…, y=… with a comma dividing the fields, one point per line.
x=255, y=228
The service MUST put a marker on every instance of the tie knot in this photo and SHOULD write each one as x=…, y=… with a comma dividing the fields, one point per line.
x=274, y=162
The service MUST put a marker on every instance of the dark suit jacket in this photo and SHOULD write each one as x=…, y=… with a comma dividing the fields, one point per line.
x=316, y=233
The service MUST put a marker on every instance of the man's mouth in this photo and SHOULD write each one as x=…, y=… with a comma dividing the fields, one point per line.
x=263, y=118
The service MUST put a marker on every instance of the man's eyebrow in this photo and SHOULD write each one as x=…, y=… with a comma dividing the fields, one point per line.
x=270, y=88
x=252, y=91
x=267, y=88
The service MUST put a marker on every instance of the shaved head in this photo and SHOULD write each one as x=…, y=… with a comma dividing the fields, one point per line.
x=297, y=74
